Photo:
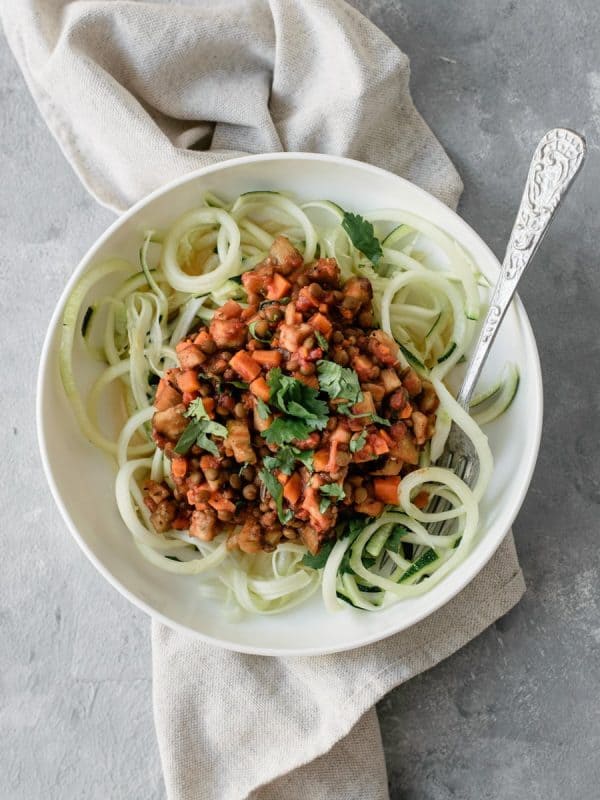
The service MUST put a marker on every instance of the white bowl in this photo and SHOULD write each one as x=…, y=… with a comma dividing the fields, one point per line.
x=82, y=478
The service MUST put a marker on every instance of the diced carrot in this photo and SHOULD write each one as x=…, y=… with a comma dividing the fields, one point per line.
x=321, y=460
x=372, y=508
x=209, y=405
x=293, y=489
x=209, y=462
x=188, y=381
x=386, y=489
x=220, y=503
x=178, y=467
x=267, y=358
x=383, y=434
x=406, y=412
x=246, y=367
x=278, y=287
x=259, y=388
x=421, y=500
x=308, y=380
x=320, y=323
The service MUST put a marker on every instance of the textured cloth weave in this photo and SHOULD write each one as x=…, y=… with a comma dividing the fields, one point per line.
x=138, y=93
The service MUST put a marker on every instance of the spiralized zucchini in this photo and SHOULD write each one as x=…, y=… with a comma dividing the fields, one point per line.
x=426, y=295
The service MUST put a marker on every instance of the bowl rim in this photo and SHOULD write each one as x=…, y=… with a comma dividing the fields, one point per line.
x=447, y=590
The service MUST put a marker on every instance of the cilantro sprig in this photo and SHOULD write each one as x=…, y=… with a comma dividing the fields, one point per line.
x=297, y=399
x=275, y=489
x=303, y=411
x=199, y=429
x=329, y=493
x=286, y=457
x=362, y=236
x=358, y=442
x=340, y=383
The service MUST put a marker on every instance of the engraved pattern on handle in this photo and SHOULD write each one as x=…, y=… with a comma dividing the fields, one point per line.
x=555, y=163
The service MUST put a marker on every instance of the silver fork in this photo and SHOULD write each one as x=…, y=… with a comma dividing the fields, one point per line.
x=555, y=163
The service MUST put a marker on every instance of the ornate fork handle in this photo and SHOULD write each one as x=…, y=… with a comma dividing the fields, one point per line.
x=555, y=163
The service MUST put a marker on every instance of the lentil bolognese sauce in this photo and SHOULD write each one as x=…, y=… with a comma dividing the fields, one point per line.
x=309, y=416
x=283, y=368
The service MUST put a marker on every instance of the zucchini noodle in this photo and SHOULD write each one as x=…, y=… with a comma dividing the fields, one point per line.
x=426, y=295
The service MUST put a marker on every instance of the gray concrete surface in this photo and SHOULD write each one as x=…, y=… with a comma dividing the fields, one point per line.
x=516, y=713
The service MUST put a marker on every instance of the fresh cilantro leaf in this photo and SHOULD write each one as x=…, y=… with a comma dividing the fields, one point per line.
x=263, y=409
x=357, y=443
x=206, y=444
x=284, y=430
x=330, y=492
x=333, y=490
x=380, y=420
x=318, y=561
x=362, y=236
x=324, y=504
x=286, y=459
x=306, y=457
x=323, y=343
x=188, y=438
x=297, y=399
x=199, y=429
x=196, y=410
x=238, y=384
x=340, y=383
x=275, y=489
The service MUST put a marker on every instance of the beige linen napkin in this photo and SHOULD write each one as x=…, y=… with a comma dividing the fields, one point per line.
x=137, y=93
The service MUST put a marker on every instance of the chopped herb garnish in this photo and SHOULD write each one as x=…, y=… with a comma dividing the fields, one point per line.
x=198, y=431
x=340, y=383
x=323, y=343
x=275, y=489
x=264, y=412
x=362, y=236
x=284, y=430
x=358, y=442
x=296, y=399
x=238, y=384
x=329, y=493
x=286, y=457
x=380, y=420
